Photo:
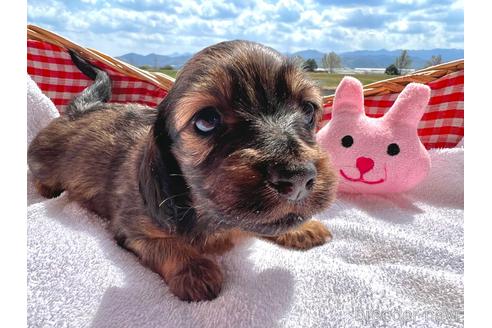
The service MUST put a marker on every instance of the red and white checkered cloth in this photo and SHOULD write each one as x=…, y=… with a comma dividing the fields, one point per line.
x=442, y=125
x=54, y=72
x=51, y=67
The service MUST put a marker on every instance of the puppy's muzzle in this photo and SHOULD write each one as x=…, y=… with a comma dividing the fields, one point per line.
x=292, y=183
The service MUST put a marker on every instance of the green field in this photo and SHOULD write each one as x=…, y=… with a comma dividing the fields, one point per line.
x=327, y=81
x=170, y=72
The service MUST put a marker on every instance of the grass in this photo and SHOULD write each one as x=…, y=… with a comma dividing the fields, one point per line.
x=170, y=72
x=328, y=82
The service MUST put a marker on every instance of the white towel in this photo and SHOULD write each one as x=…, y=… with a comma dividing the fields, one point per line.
x=40, y=110
x=394, y=261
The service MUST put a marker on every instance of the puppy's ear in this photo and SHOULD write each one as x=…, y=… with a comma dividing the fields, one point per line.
x=162, y=185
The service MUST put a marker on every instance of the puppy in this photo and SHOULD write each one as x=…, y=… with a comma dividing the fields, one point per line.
x=229, y=152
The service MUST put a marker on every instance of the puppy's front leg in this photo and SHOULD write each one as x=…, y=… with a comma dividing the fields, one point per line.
x=189, y=275
x=221, y=242
x=308, y=235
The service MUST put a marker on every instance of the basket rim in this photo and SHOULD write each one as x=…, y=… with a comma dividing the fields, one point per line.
x=158, y=79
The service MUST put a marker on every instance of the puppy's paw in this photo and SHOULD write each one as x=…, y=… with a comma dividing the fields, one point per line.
x=200, y=279
x=308, y=235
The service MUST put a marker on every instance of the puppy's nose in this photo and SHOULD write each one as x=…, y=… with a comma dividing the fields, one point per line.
x=293, y=183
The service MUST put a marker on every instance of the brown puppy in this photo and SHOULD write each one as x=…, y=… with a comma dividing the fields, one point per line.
x=230, y=151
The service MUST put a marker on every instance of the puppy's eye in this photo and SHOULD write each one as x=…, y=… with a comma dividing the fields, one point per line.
x=309, y=109
x=207, y=120
x=347, y=141
x=393, y=149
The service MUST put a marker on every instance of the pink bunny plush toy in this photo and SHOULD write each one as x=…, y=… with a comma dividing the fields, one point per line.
x=376, y=155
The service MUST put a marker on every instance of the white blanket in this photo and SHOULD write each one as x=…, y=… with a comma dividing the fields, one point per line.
x=394, y=261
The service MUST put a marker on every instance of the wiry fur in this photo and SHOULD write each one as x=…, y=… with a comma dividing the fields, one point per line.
x=172, y=195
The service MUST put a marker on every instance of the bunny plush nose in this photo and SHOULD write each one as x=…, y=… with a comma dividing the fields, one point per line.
x=364, y=164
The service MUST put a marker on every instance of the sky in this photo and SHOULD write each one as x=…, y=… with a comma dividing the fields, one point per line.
x=117, y=27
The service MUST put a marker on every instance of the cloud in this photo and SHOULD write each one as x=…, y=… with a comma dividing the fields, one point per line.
x=366, y=19
x=168, y=26
x=351, y=3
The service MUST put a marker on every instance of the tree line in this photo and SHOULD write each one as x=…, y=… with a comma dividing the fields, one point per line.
x=332, y=61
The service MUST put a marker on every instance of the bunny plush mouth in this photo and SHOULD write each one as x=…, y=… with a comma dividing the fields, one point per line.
x=361, y=178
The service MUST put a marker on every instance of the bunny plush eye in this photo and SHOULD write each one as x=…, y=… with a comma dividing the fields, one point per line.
x=393, y=149
x=347, y=141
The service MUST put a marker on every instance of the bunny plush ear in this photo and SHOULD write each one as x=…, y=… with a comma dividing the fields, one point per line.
x=410, y=104
x=349, y=97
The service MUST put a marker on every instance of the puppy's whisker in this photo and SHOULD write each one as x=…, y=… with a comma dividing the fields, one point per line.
x=182, y=217
x=169, y=198
x=186, y=175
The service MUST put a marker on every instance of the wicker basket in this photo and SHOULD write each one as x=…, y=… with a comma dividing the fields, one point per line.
x=158, y=79
x=441, y=126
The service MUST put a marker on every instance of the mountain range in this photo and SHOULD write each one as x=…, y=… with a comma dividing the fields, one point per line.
x=352, y=59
